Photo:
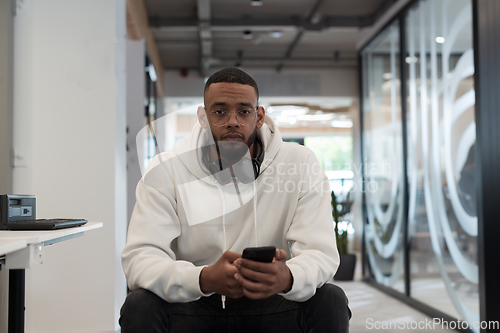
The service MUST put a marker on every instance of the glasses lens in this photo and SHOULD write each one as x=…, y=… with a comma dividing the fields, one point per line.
x=246, y=117
x=219, y=117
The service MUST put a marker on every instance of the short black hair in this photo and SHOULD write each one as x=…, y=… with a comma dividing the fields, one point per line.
x=232, y=75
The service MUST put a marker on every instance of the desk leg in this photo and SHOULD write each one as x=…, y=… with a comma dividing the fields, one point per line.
x=16, y=300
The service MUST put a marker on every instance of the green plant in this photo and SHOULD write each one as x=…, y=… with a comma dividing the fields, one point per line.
x=333, y=152
x=340, y=235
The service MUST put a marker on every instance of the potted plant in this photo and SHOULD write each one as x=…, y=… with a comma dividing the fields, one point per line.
x=347, y=261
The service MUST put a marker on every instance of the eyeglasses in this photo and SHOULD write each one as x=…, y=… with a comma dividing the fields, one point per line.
x=244, y=117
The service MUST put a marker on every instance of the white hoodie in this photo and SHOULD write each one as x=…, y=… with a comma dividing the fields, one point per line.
x=184, y=220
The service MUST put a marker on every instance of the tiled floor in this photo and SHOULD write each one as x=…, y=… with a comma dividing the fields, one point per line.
x=372, y=309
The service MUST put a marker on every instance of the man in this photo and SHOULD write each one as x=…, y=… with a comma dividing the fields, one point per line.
x=231, y=184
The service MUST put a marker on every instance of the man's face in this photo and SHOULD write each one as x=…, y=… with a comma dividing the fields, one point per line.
x=232, y=97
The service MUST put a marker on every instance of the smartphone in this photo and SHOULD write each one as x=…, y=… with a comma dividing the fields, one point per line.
x=261, y=254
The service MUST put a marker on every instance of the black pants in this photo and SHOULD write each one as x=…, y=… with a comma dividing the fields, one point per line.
x=326, y=311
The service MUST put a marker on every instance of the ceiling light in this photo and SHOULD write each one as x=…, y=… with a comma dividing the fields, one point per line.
x=247, y=34
x=288, y=110
x=295, y=112
x=440, y=40
x=342, y=123
x=256, y=3
x=276, y=34
x=315, y=117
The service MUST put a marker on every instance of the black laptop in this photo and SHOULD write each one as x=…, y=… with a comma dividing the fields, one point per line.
x=18, y=212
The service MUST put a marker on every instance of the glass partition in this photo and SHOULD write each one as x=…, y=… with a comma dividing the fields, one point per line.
x=438, y=122
x=383, y=158
x=441, y=139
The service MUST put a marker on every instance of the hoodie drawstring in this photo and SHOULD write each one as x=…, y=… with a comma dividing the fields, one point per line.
x=223, y=199
x=255, y=212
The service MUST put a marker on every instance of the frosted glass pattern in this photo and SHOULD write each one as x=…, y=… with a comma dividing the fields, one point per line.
x=382, y=150
x=441, y=163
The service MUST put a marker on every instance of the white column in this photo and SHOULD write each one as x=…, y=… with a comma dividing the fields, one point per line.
x=6, y=63
x=70, y=130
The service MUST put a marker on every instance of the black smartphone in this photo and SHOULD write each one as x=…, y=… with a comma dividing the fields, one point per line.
x=261, y=254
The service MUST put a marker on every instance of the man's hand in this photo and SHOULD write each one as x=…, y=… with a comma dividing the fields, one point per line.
x=262, y=280
x=219, y=277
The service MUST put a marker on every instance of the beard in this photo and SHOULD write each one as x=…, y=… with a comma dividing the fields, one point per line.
x=233, y=151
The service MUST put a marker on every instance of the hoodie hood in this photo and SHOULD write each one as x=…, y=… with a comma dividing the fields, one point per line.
x=189, y=149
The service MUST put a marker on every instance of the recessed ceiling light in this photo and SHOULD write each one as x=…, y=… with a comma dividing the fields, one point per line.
x=256, y=3
x=276, y=34
x=440, y=40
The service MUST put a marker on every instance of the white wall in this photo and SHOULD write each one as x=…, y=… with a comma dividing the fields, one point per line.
x=70, y=126
x=6, y=61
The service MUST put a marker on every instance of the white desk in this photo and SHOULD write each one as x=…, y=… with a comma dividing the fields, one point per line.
x=11, y=245
x=39, y=236
x=24, y=249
